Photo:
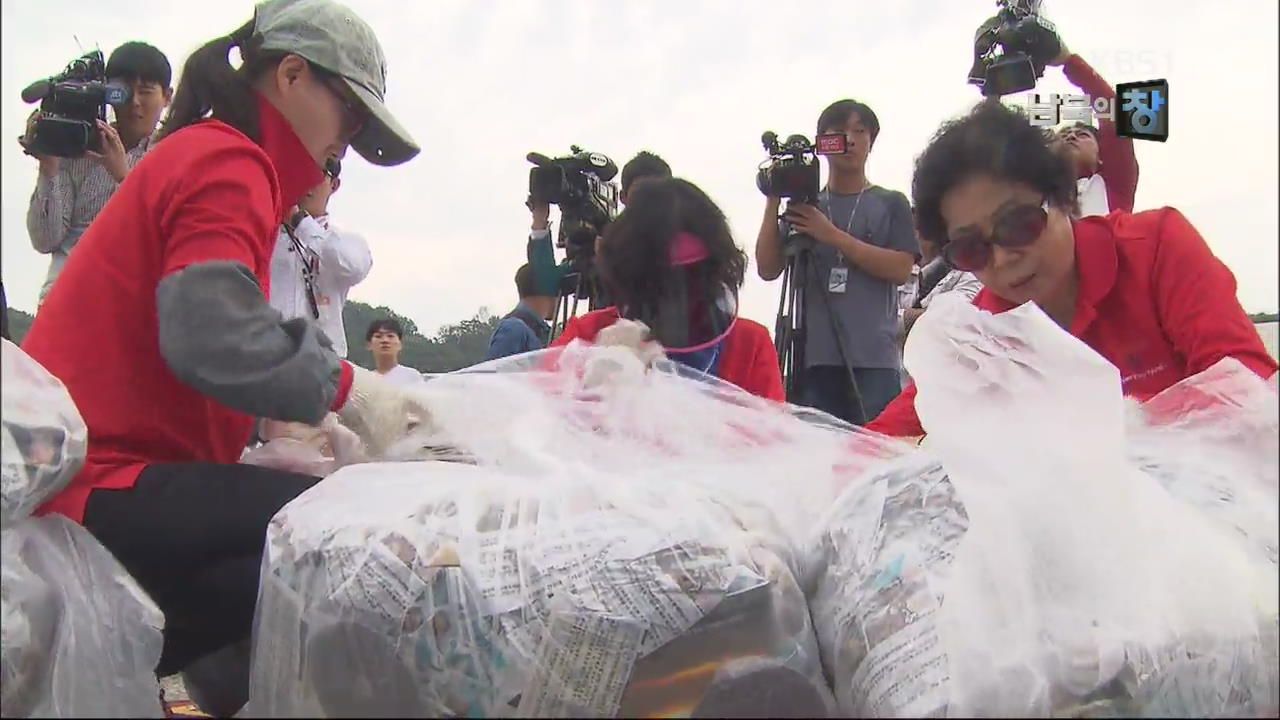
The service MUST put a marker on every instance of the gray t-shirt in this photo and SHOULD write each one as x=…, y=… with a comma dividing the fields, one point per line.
x=868, y=309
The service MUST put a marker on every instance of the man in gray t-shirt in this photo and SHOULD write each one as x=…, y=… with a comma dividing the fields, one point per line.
x=865, y=248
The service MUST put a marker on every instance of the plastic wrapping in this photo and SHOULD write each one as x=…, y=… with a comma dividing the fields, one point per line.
x=45, y=439
x=1067, y=562
x=605, y=542
x=79, y=637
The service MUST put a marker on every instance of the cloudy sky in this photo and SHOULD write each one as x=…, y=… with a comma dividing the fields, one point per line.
x=481, y=83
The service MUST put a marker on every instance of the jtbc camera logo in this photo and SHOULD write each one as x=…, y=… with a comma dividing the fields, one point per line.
x=1143, y=113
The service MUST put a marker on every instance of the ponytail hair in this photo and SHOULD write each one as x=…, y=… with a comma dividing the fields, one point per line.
x=210, y=87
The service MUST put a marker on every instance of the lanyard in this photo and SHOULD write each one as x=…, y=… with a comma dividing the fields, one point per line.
x=310, y=262
x=848, y=227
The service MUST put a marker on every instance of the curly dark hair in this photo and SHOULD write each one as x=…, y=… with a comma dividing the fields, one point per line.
x=635, y=251
x=993, y=139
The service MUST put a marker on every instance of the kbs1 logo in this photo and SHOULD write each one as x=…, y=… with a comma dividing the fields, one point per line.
x=1143, y=112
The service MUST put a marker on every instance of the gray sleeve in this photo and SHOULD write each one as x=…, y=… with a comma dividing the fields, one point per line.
x=902, y=229
x=220, y=336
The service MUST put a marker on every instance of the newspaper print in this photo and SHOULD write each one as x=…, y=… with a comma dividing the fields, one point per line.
x=583, y=666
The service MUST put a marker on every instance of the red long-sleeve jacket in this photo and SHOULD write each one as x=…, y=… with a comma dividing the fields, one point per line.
x=1153, y=300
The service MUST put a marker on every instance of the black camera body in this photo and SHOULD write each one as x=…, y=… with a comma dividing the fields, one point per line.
x=792, y=169
x=581, y=185
x=1027, y=43
x=71, y=104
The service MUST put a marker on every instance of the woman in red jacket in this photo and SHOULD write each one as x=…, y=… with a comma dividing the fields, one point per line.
x=1142, y=289
x=161, y=331
x=671, y=263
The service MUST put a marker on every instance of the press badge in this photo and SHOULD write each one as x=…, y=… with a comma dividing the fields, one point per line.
x=839, y=280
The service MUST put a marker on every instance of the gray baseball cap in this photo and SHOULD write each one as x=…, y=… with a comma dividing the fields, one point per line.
x=336, y=39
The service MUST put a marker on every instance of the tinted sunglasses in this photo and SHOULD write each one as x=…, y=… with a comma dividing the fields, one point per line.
x=1015, y=228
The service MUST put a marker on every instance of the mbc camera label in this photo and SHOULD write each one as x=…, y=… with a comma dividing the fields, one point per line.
x=1139, y=109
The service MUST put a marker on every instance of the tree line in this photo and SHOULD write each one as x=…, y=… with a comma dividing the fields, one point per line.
x=454, y=347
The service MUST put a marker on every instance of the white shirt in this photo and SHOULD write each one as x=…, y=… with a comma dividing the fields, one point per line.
x=401, y=375
x=343, y=260
x=1092, y=192
x=965, y=283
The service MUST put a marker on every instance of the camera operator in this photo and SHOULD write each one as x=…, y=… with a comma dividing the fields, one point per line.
x=1104, y=163
x=865, y=250
x=527, y=327
x=70, y=193
x=315, y=264
x=547, y=274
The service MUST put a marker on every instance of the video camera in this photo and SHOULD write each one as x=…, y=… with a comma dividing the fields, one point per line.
x=71, y=104
x=1027, y=43
x=792, y=168
x=580, y=184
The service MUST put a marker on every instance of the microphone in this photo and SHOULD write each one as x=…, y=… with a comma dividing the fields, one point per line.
x=36, y=91
x=538, y=159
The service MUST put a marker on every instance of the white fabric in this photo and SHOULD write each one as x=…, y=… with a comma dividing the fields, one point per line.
x=1092, y=192
x=957, y=281
x=344, y=261
x=401, y=375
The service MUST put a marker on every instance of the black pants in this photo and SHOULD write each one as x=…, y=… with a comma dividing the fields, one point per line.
x=192, y=535
x=827, y=388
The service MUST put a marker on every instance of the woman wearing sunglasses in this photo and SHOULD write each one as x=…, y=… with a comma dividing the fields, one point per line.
x=161, y=330
x=670, y=261
x=1142, y=289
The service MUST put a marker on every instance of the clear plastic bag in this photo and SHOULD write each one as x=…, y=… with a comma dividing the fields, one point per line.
x=605, y=541
x=45, y=439
x=1045, y=572
x=318, y=451
x=79, y=637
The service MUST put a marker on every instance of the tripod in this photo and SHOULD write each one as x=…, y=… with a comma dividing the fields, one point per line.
x=578, y=284
x=792, y=326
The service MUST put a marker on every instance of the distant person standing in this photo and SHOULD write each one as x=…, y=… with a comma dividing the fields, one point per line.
x=526, y=328
x=386, y=340
x=70, y=192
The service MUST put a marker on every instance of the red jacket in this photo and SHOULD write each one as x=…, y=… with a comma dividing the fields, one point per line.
x=1119, y=164
x=1153, y=300
x=205, y=193
x=749, y=359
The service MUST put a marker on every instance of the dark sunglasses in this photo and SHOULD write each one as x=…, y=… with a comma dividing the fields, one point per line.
x=1016, y=228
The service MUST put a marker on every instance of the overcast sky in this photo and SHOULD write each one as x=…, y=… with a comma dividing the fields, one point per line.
x=481, y=83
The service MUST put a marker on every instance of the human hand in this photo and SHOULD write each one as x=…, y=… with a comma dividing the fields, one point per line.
x=1064, y=54
x=49, y=164
x=809, y=220
x=112, y=155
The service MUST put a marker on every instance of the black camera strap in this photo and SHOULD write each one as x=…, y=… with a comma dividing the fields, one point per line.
x=310, y=266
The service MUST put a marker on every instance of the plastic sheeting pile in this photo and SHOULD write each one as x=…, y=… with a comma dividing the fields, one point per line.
x=591, y=539
x=78, y=638
x=585, y=553
x=1076, y=558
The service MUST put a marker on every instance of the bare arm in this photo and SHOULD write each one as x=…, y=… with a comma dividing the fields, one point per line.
x=769, y=258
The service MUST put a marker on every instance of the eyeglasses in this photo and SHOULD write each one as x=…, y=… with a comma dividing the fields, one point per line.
x=1016, y=228
x=351, y=105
